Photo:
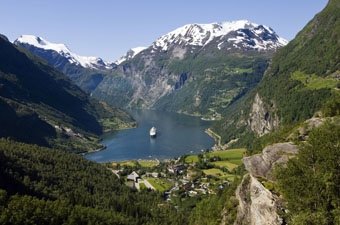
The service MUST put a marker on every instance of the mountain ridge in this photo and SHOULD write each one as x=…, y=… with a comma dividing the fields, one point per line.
x=42, y=106
x=202, y=34
x=86, y=72
x=84, y=61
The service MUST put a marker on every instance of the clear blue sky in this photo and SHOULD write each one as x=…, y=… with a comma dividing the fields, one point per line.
x=108, y=28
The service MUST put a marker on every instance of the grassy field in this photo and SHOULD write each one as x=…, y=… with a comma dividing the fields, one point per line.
x=220, y=174
x=230, y=177
x=148, y=163
x=234, y=154
x=228, y=154
x=236, y=161
x=142, y=186
x=191, y=159
x=125, y=163
x=161, y=185
x=225, y=164
x=143, y=163
x=313, y=81
x=214, y=172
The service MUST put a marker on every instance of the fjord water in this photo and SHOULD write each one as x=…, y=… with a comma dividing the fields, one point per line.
x=177, y=134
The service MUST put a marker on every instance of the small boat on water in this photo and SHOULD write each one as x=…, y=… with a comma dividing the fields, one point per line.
x=153, y=132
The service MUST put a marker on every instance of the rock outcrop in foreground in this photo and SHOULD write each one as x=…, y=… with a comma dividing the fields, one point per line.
x=258, y=205
x=262, y=165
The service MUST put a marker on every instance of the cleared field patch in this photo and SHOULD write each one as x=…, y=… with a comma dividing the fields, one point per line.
x=225, y=164
x=161, y=185
x=228, y=154
x=142, y=186
x=230, y=177
x=125, y=163
x=236, y=161
x=214, y=172
x=312, y=81
x=148, y=163
x=191, y=159
x=231, y=154
x=220, y=174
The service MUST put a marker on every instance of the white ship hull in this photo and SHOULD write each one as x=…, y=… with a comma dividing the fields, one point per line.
x=153, y=132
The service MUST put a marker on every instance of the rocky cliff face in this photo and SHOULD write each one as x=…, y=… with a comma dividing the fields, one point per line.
x=262, y=165
x=303, y=131
x=261, y=120
x=137, y=84
x=258, y=205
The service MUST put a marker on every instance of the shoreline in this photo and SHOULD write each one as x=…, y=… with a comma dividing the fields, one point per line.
x=215, y=136
x=93, y=151
x=157, y=161
x=105, y=132
x=200, y=116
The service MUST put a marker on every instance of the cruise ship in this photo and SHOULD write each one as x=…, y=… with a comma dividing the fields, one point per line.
x=153, y=132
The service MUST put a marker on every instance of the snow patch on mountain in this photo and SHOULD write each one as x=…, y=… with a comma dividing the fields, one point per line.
x=84, y=61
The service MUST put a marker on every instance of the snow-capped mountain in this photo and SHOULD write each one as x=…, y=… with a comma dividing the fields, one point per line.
x=130, y=54
x=232, y=36
x=240, y=34
x=61, y=49
x=192, y=68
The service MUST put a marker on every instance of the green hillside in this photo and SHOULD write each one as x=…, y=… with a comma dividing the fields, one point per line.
x=302, y=78
x=218, y=82
x=310, y=182
x=306, y=72
x=42, y=106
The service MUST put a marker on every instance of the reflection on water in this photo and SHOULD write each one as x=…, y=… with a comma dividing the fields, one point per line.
x=177, y=134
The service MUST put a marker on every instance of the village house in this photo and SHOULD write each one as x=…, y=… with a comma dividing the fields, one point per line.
x=176, y=168
x=133, y=176
x=154, y=174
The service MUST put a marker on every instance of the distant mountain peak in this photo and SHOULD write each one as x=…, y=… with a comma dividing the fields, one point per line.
x=42, y=43
x=84, y=61
x=203, y=34
x=229, y=36
x=130, y=54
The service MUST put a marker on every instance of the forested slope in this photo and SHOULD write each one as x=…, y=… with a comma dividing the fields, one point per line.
x=302, y=78
x=42, y=106
x=46, y=186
